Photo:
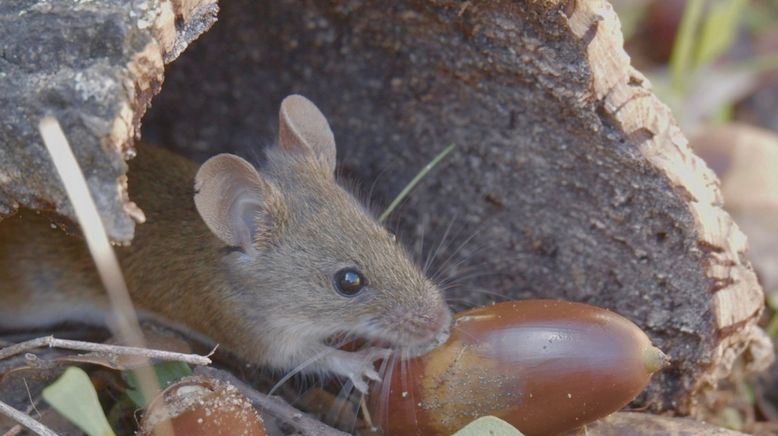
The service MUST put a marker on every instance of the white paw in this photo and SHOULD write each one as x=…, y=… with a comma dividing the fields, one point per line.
x=359, y=366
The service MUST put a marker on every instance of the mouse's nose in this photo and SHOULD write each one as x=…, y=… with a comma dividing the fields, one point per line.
x=434, y=322
x=444, y=319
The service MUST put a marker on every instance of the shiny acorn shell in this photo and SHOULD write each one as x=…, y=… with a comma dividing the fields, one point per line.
x=545, y=366
x=201, y=406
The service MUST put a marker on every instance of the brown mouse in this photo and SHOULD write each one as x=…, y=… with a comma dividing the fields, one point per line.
x=271, y=264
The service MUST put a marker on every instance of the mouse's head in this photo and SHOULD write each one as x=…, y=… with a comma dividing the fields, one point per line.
x=318, y=264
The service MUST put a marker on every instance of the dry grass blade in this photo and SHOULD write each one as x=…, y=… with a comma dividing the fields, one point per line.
x=126, y=321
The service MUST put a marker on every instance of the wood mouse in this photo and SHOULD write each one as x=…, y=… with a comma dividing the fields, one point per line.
x=271, y=264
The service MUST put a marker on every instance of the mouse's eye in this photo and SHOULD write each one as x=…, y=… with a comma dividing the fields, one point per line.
x=349, y=282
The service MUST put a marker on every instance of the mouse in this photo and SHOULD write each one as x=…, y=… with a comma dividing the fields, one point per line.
x=271, y=263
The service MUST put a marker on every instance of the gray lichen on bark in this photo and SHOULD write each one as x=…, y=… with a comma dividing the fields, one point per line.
x=95, y=66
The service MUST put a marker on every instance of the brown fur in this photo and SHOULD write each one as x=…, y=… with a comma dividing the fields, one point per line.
x=272, y=303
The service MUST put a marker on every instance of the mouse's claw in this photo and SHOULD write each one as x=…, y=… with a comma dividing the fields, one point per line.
x=372, y=374
x=358, y=366
x=360, y=385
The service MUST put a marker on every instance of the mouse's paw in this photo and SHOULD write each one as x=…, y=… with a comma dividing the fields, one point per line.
x=359, y=366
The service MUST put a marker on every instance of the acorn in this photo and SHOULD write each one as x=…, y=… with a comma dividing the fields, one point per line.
x=544, y=366
x=201, y=406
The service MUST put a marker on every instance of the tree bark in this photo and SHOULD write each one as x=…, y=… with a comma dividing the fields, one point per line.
x=570, y=179
x=95, y=66
x=643, y=424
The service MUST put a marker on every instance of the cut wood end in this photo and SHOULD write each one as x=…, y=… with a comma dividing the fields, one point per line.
x=738, y=300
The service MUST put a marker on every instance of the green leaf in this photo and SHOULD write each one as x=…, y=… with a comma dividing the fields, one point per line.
x=488, y=425
x=718, y=31
x=167, y=373
x=74, y=397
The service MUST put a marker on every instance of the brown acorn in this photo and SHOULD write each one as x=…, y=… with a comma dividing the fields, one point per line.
x=544, y=366
x=201, y=406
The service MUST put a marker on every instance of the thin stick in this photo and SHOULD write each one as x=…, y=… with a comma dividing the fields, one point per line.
x=127, y=327
x=415, y=181
x=51, y=341
x=18, y=428
x=25, y=420
x=274, y=406
x=366, y=412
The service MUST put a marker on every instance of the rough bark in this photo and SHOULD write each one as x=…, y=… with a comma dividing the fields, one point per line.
x=643, y=424
x=745, y=158
x=572, y=179
x=95, y=66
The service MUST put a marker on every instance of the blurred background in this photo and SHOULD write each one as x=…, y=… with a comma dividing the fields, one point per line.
x=715, y=63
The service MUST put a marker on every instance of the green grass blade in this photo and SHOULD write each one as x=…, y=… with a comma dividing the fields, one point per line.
x=681, y=61
x=718, y=31
x=415, y=181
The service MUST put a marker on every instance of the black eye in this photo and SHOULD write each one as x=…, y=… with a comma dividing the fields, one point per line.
x=349, y=282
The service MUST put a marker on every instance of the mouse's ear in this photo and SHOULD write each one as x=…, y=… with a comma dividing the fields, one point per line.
x=236, y=203
x=303, y=129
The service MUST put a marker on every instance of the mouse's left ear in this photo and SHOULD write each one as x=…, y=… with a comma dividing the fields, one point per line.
x=237, y=204
x=303, y=129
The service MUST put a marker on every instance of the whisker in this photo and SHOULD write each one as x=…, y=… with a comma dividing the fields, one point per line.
x=405, y=372
x=406, y=377
x=442, y=266
x=469, y=335
x=375, y=182
x=386, y=384
x=294, y=396
x=468, y=273
x=458, y=305
x=433, y=254
x=464, y=280
x=499, y=295
x=299, y=368
x=419, y=246
x=339, y=407
x=480, y=267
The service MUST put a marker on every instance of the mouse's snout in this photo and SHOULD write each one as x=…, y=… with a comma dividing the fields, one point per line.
x=423, y=327
x=440, y=322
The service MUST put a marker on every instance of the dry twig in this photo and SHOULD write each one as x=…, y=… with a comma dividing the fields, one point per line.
x=18, y=428
x=51, y=341
x=25, y=420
